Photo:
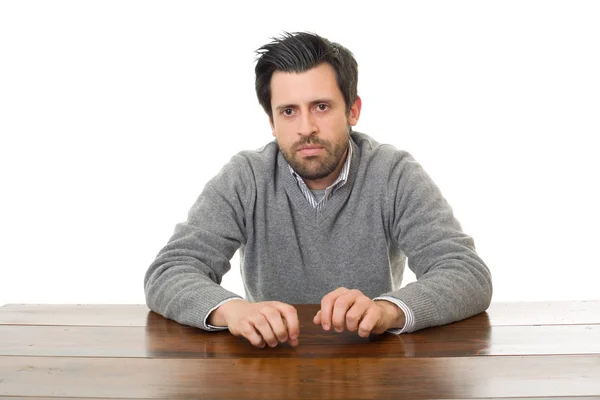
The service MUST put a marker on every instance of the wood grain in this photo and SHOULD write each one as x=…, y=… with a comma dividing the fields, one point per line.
x=171, y=340
x=515, y=350
x=74, y=314
x=349, y=378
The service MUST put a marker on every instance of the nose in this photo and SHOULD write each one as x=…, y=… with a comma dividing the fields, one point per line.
x=306, y=124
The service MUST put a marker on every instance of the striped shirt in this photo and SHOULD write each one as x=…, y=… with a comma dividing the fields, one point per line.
x=319, y=204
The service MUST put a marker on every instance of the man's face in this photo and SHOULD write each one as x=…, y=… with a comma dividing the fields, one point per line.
x=311, y=124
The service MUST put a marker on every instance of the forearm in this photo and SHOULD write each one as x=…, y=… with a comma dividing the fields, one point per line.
x=182, y=293
x=452, y=290
x=183, y=281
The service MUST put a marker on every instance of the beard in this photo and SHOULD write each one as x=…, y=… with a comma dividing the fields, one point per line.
x=315, y=167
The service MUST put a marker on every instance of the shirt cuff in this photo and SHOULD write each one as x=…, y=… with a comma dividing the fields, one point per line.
x=409, y=321
x=217, y=328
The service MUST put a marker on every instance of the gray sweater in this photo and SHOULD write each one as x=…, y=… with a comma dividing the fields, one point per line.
x=389, y=210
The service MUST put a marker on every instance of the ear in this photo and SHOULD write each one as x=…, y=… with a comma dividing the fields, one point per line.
x=272, y=127
x=355, y=112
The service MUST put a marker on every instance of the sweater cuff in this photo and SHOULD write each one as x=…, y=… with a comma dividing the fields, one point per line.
x=409, y=318
x=422, y=305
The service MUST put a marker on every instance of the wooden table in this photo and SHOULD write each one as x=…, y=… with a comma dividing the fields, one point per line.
x=516, y=350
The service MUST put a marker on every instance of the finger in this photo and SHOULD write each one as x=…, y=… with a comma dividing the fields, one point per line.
x=264, y=329
x=327, y=303
x=356, y=313
x=370, y=320
x=248, y=331
x=340, y=308
x=290, y=317
x=278, y=327
x=317, y=318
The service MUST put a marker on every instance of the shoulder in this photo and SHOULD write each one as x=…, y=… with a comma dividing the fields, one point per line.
x=379, y=157
x=245, y=168
x=263, y=156
x=404, y=180
x=391, y=168
x=256, y=163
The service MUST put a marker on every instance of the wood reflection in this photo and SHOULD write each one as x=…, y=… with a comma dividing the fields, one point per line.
x=267, y=378
x=166, y=338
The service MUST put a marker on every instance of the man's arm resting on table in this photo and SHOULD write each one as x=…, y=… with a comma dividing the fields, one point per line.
x=453, y=282
x=182, y=283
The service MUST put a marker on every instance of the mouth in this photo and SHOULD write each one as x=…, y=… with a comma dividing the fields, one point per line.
x=310, y=150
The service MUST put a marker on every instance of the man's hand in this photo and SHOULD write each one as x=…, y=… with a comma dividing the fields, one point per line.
x=268, y=322
x=352, y=310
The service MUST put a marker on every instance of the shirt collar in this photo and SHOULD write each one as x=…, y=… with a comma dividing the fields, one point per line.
x=342, y=178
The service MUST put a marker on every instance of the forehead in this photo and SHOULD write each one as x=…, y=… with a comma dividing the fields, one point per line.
x=303, y=87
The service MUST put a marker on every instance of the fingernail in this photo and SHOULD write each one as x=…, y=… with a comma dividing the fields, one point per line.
x=326, y=327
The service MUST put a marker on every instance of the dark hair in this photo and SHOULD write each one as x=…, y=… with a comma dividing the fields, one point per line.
x=299, y=52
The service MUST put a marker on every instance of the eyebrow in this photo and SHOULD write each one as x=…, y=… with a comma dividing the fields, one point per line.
x=312, y=103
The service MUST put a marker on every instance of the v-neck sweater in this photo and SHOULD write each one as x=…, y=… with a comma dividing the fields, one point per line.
x=388, y=211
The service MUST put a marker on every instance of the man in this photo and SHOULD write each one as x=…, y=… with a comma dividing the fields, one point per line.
x=322, y=214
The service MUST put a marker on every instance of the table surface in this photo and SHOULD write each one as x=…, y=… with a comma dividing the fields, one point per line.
x=514, y=350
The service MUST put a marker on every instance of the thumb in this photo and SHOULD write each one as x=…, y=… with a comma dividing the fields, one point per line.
x=317, y=318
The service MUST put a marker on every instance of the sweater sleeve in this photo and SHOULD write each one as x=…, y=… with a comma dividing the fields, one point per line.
x=183, y=282
x=453, y=282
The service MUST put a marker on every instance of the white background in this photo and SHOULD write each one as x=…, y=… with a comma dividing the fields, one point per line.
x=114, y=114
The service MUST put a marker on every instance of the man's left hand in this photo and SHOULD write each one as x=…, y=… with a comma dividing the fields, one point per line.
x=345, y=309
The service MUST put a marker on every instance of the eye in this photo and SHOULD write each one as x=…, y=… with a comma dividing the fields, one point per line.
x=322, y=107
x=287, y=112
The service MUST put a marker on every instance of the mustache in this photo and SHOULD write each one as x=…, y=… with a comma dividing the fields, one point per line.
x=311, y=140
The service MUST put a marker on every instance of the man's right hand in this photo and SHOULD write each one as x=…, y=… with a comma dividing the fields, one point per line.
x=268, y=322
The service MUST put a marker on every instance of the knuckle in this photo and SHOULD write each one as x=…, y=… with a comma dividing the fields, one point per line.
x=266, y=310
x=247, y=331
x=342, y=301
x=252, y=315
x=352, y=317
x=290, y=309
x=262, y=325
